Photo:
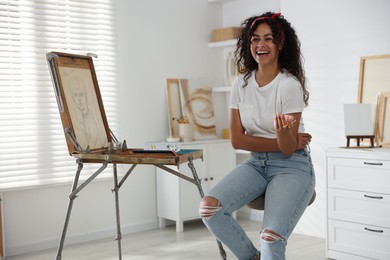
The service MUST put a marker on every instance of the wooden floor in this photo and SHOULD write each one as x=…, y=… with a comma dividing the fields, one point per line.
x=194, y=243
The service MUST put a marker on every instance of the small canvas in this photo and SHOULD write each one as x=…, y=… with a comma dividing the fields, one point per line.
x=358, y=120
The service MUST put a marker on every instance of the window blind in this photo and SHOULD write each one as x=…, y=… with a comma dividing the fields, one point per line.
x=33, y=150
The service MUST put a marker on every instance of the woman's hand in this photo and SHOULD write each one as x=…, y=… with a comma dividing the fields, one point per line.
x=303, y=139
x=283, y=122
x=286, y=132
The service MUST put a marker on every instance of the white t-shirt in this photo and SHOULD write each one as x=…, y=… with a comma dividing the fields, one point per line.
x=259, y=105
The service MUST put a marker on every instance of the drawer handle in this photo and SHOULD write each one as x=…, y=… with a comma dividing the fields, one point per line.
x=373, y=197
x=372, y=163
x=374, y=230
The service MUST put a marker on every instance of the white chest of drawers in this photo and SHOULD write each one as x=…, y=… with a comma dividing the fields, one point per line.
x=358, y=203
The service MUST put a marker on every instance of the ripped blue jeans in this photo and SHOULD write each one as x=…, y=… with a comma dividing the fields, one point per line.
x=288, y=183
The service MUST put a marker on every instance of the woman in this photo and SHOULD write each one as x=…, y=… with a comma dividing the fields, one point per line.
x=267, y=101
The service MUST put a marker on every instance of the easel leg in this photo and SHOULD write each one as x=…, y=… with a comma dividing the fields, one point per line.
x=222, y=251
x=70, y=205
x=118, y=222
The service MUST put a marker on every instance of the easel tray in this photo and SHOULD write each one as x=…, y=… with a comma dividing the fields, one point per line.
x=139, y=156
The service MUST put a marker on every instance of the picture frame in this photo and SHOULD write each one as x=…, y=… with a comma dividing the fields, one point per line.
x=79, y=101
x=383, y=120
x=191, y=100
x=174, y=106
x=231, y=68
x=374, y=79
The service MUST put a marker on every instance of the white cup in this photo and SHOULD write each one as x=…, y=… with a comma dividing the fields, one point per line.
x=186, y=132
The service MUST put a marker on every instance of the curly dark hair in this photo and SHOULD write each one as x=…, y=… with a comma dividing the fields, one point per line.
x=290, y=57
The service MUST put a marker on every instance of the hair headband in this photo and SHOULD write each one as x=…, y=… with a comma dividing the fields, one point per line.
x=273, y=17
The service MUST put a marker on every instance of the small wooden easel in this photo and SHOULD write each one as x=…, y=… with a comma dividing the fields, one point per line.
x=359, y=137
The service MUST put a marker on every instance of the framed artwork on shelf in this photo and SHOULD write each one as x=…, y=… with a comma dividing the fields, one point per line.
x=383, y=120
x=191, y=100
x=231, y=69
x=174, y=107
x=374, y=79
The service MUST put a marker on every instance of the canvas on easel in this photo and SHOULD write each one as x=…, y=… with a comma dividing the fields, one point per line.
x=358, y=123
x=81, y=106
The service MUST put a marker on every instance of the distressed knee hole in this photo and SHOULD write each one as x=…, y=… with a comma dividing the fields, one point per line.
x=269, y=236
x=208, y=207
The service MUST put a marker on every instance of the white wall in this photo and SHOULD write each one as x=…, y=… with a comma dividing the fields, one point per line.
x=236, y=12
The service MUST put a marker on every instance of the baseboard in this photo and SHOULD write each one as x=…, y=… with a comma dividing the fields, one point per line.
x=80, y=238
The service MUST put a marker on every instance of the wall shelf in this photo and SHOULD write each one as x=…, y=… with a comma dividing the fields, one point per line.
x=222, y=89
x=228, y=43
x=220, y=1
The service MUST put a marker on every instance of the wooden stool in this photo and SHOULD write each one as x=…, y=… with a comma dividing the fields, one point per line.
x=258, y=203
x=359, y=137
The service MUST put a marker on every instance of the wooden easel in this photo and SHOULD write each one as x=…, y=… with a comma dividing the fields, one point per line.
x=360, y=137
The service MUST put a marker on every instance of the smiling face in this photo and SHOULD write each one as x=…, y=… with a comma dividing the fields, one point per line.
x=263, y=47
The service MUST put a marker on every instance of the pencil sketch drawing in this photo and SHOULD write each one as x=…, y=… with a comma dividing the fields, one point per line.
x=83, y=107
